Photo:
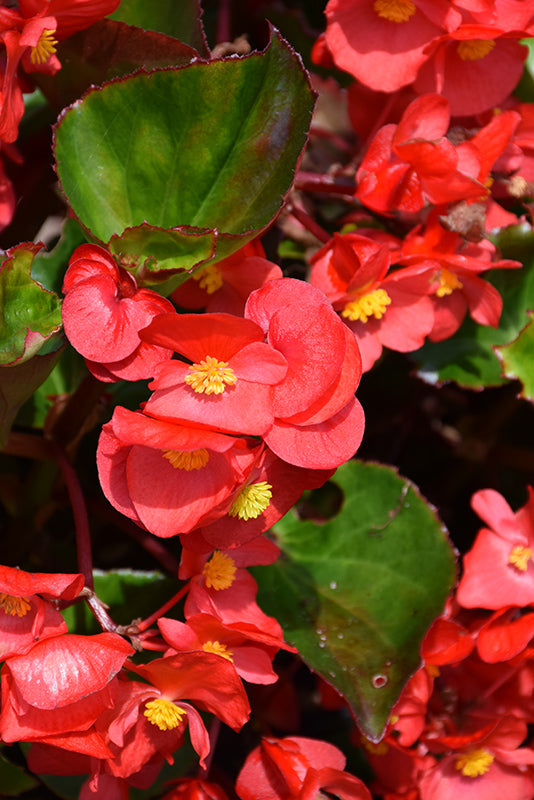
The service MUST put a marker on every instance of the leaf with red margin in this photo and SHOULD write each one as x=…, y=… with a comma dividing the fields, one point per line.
x=209, y=145
x=357, y=594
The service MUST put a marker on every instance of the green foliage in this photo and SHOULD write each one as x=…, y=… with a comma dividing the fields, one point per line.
x=517, y=359
x=29, y=313
x=357, y=593
x=468, y=357
x=14, y=780
x=130, y=595
x=209, y=145
x=182, y=23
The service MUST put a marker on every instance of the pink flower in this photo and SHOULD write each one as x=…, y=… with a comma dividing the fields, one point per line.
x=103, y=312
x=318, y=422
x=383, y=310
x=498, y=570
x=296, y=768
x=228, y=384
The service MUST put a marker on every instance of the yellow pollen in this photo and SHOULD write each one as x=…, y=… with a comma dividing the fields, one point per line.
x=432, y=670
x=376, y=749
x=210, y=376
x=519, y=557
x=209, y=278
x=473, y=49
x=475, y=763
x=45, y=47
x=219, y=571
x=219, y=650
x=164, y=714
x=448, y=282
x=14, y=606
x=251, y=501
x=395, y=10
x=373, y=304
x=180, y=459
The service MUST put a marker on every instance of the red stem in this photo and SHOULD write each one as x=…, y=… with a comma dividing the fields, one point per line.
x=330, y=136
x=313, y=182
x=81, y=522
x=146, y=623
x=309, y=223
x=224, y=27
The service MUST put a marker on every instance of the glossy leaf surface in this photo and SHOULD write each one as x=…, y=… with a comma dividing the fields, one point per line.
x=357, y=594
x=209, y=145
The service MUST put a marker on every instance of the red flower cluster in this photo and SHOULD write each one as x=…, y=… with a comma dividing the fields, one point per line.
x=468, y=52
x=254, y=410
x=29, y=33
x=460, y=728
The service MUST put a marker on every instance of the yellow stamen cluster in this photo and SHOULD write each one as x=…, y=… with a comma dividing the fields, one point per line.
x=474, y=763
x=395, y=10
x=519, y=557
x=45, y=47
x=163, y=713
x=195, y=459
x=372, y=304
x=14, y=606
x=219, y=650
x=210, y=376
x=251, y=501
x=209, y=278
x=473, y=49
x=448, y=282
x=219, y=571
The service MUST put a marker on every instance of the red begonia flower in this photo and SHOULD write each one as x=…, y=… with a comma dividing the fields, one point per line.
x=318, y=421
x=476, y=67
x=413, y=162
x=30, y=34
x=228, y=385
x=446, y=642
x=505, y=635
x=408, y=715
x=383, y=43
x=452, y=266
x=220, y=586
x=25, y=617
x=390, y=310
x=60, y=686
x=488, y=763
x=271, y=488
x=195, y=789
x=296, y=768
x=498, y=570
x=103, y=312
x=251, y=657
x=7, y=197
x=208, y=680
x=226, y=285
x=167, y=477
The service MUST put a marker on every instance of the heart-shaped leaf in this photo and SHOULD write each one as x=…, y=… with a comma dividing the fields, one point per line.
x=211, y=145
x=357, y=594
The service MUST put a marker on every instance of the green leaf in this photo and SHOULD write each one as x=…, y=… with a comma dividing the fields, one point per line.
x=48, y=268
x=107, y=50
x=128, y=593
x=468, y=357
x=183, y=22
x=517, y=359
x=357, y=594
x=209, y=145
x=177, y=249
x=17, y=385
x=29, y=314
x=13, y=779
